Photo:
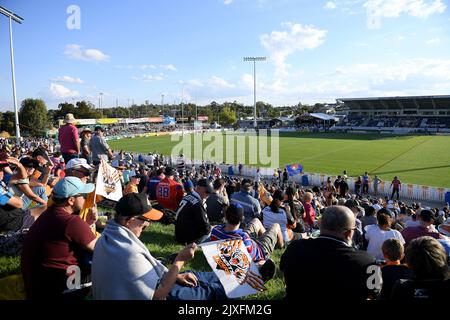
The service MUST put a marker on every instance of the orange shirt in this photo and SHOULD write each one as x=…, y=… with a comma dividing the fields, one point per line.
x=169, y=193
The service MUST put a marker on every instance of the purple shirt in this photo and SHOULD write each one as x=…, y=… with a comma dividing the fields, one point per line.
x=412, y=233
x=68, y=138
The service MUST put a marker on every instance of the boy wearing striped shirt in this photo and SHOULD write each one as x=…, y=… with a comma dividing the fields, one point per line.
x=259, y=242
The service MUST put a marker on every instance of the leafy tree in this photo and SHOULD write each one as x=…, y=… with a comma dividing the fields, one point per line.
x=86, y=110
x=8, y=122
x=227, y=116
x=33, y=117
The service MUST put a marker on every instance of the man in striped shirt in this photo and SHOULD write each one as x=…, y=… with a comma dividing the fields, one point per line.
x=259, y=242
x=181, y=164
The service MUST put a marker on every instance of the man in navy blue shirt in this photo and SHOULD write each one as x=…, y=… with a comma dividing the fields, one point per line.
x=150, y=189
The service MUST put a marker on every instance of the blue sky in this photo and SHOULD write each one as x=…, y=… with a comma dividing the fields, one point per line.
x=316, y=50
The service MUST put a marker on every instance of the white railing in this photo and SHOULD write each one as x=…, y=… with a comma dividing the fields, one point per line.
x=408, y=191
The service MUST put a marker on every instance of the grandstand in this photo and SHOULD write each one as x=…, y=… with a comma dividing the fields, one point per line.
x=400, y=114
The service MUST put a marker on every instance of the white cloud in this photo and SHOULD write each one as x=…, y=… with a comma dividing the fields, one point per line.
x=170, y=67
x=247, y=81
x=149, y=77
x=75, y=51
x=330, y=5
x=67, y=79
x=433, y=41
x=147, y=66
x=192, y=83
x=227, y=2
x=58, y=92
x=375, y=74
x=377, y=9
x=219, y=83
x=282, y=44
x=124, y=66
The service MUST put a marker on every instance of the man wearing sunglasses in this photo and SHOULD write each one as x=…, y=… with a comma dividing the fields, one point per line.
x=79, y=168
x=124, y=269
x=55, y=244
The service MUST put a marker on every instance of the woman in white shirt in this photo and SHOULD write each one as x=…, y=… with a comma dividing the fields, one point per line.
x=377, y=234
x=277, y=212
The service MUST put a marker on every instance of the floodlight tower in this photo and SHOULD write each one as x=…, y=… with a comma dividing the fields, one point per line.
x=12, y=16
x=254, y=59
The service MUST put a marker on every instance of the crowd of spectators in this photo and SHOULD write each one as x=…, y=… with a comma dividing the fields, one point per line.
x=48, y=210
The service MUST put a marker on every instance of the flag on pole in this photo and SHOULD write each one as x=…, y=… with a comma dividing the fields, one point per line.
x=108, y=182
x=293, y=169
x=234, y=267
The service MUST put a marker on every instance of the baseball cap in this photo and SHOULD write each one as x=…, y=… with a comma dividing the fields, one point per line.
x=351, y=203
x=169, y=171
x=39, y=152
x=133, y=174
x=137, y=204
x=377, y=207
x=98, y=128
x=79, y=163
x=29, y=162
x=188, y=184
x=386, y=211
x=71, y=186
x=205, y=184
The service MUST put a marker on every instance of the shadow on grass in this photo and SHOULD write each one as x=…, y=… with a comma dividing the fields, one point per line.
x=409, y=170
x=345, y=136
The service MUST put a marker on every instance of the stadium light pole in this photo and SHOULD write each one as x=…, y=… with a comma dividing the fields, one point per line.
x=182, y=109
x=11, y=16
x=254, y=59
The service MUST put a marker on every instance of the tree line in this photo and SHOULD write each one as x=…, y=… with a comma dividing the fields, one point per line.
x=36, y=119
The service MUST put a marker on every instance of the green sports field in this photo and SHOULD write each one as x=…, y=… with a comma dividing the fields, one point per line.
x=414, y=159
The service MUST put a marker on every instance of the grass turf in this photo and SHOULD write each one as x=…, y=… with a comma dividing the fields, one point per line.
x=160, y=240
x=414, y=159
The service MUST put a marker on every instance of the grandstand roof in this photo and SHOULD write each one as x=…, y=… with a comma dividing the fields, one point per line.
x=322, y=116
x=411, y=102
